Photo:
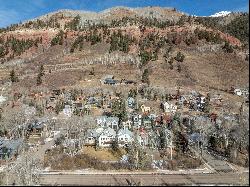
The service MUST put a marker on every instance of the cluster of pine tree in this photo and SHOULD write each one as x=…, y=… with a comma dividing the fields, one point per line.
x=94, y=37
x=13, y=76
x=78, y=42
x=147, y=22
x=40, y=75
x=120, y=42
x=238, y=27
x=17, y=46
x=58, y=39
x=150, y=46
x=39, y=24
x=74, y=24
x=209, y=36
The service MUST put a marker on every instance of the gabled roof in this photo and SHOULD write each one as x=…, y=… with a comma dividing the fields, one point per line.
x=108, y=132
x=111, y=119
x=130, y=99
x=107, y=119
x=110, y=81
x=92, y=100
x=94, y=132
x=125, y=131
x=196, y=137
x=108, y=77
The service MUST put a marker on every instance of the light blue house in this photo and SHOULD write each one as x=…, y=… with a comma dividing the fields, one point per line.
x=10, y=148
x=131, y=102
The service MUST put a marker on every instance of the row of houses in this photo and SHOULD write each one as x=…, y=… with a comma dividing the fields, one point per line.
x=83, y=103
x=109, y=79
x=145, y=127
x=137, y=128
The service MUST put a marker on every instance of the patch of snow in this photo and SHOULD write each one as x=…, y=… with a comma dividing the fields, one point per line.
x=220, y=14
x=2, y=168
x=47, y=169
x=48, y=139
x=56, y=132
x=2, y=99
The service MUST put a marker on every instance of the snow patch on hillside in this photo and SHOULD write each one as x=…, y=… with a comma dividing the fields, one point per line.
x=221, y=13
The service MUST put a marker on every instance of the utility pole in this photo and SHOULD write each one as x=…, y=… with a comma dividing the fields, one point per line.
x=7, y=175
x=137, y=158
x=30, y=164
x=171, y=149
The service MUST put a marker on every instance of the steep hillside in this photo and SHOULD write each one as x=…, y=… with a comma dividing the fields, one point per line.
x=152, y=45
x=235, y=24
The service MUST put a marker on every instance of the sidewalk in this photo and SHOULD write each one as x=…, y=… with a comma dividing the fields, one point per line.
x=111, y=172
x=238, y=168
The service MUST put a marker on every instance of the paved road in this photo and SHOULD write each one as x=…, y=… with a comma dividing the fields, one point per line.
x=216, y=178
x=196, y=179
x=40, y=150
x=216, y=163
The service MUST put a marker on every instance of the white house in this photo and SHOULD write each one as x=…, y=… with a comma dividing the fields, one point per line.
x=203, y=99
x=67, y=111
x=92, y=134
x=113, y=122
x=101, y=120
x=145, y=109
x=169, y=107
x=238, y=92
x=107, y=137
x=125, y=137
x=104, y=121
x=137, y=121
x=127, y=124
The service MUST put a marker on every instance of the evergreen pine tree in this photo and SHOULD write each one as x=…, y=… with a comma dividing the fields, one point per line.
x=39, y=80
x=13, y=76
x=145, y=76
x=179, y=57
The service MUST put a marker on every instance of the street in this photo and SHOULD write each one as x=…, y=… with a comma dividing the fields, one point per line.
x=218, y=173
x=144, y=179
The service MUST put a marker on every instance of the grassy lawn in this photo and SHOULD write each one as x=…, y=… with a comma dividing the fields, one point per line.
x=105, y=154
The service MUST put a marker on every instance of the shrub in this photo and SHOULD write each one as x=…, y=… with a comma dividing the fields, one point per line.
x=180, y=57
x=227, y=47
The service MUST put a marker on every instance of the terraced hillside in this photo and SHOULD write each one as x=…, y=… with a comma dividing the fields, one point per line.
x=125, y=42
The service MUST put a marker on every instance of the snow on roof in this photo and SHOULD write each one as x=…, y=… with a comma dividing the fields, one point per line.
x=125, y=131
